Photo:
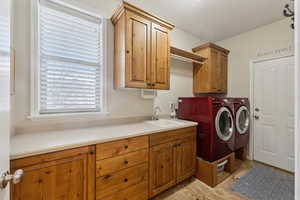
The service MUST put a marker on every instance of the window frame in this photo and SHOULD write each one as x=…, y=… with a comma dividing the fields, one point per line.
x=35, y=65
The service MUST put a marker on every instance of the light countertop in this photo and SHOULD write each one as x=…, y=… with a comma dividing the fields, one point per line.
x=24, y=145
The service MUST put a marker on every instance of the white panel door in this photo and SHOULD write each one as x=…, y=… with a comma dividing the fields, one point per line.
x=4, y=91
x=273, y=91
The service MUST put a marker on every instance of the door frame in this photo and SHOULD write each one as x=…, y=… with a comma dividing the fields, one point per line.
x=251, y=98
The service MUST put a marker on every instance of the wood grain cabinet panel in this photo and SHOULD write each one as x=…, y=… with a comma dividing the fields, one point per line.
x=112, y=183
x=120, y=147
x=122, y=169
x=211, y=77
x=169, y=136
x=172, y=161
x=137, y=69
x=63, y=178
x=144, y=40
x=224, y=71
x=136, y=192
x=118, y=163
x=160, y=57
x=162, y=168
x=186, y=158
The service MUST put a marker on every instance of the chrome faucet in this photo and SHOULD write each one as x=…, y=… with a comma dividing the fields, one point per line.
x=173, y=111
x=156, y=112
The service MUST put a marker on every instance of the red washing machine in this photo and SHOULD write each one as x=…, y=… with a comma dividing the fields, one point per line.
x=215, y=131
x=242, y=121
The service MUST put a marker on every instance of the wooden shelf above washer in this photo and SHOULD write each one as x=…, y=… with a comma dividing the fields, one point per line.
x=186, y=56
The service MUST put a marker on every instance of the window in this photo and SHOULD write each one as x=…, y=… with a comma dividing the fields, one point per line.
x=4, y=44
x=69, y=72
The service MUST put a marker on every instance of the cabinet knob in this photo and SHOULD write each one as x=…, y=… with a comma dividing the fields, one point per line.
x=127, y=51
x=125, y=162
x=125, y=179
x=126, y=146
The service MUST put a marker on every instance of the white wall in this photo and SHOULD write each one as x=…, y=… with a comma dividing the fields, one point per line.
x=297, y=100
x=272, y=40
x=122, y=103
x=4, y=100
x=181, y=82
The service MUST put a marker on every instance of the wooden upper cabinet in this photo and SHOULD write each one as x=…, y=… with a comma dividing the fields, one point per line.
x=211, y=77
x=137, y=70
x=68, y=174
x=160, y=72
x=142, y=49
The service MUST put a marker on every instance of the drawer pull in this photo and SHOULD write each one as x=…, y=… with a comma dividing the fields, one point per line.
x=107, y=176
x=125, y=146
x=125, y=162
x=125, y=179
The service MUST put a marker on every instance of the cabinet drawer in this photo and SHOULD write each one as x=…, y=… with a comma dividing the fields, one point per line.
x=118, y=163
x=112, y=183
x=136, y=192
x=161, y=138
x=111, y=149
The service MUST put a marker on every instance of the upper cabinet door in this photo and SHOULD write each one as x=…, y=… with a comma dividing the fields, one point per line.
x=160, y=62
x=216, y=71
x=138, y=37
x=224, y=68
x=211, y=77
x=142, y=50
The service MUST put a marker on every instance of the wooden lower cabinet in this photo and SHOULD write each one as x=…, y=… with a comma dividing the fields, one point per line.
x=130, y=169
x=122, y=169
x=186, y=158
x=67, y=175
x=136, y=192
x=172, y=162
x=113, y=183
x=162, y=167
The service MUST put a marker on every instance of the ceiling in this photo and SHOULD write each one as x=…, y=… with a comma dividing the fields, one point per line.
x=210, y=20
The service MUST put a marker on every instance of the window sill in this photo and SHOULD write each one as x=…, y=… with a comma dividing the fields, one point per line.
x=68, y=116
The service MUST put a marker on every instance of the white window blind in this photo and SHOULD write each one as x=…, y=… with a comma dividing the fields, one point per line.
x=71, y=61
x=4, y=43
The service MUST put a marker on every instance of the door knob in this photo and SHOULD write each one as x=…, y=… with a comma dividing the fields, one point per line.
x=256, y=117
x=6, y=178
